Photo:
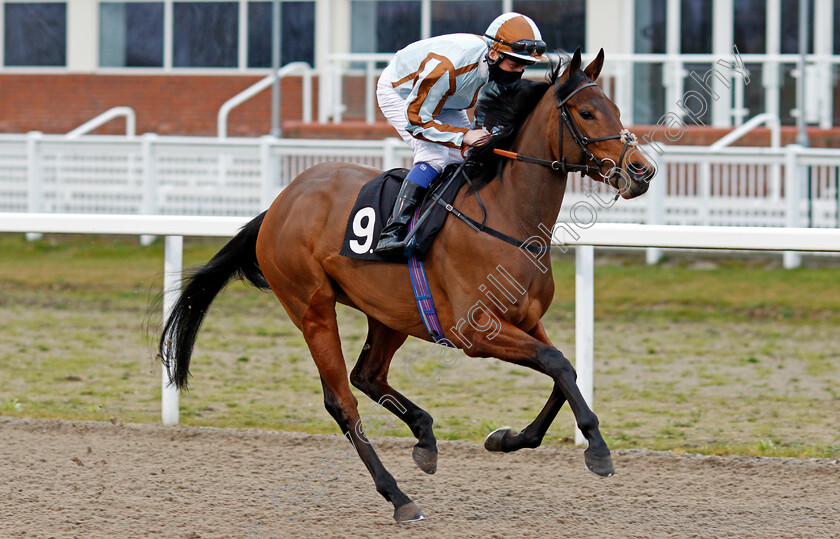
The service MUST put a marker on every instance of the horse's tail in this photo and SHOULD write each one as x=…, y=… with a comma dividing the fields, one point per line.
x=236, y=260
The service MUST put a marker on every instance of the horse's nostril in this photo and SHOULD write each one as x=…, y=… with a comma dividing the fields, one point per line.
x=641, y=171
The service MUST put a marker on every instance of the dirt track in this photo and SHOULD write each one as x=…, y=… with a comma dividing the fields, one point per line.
x=86, y=479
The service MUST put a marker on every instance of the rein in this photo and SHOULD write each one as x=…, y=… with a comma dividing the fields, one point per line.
x=562, y=166
x=436, y=198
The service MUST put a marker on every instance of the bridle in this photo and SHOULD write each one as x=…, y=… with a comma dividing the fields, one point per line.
x=562, y=166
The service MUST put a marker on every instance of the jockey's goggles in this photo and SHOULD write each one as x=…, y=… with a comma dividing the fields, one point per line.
x=530, y=46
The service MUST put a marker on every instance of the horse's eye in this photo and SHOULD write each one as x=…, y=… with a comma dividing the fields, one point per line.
x=586, y=114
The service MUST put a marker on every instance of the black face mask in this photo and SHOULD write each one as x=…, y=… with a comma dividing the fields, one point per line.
x=501, y=77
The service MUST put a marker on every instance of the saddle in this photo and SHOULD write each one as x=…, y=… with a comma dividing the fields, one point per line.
x=373, y=208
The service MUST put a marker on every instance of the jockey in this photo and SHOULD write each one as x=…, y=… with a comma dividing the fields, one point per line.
x=425, y=91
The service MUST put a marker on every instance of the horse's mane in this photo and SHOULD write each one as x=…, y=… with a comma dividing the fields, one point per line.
x=507, y=110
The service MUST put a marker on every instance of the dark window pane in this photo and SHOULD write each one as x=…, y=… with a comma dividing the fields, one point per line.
x=297, y=33
x=384, y=26
x=790, y=27
x=131, y=34
x=205, y=34
x=753, y=93
x=836, y=79
x=836, y=28
x=649, y=105
x=750, y=31
x=397, y=25
x=464, y=17
x=562, y=24
x=298, y=20
x=649, y=37
x=696, y=27
x=650, y=26
x=35, y=34
x=787, y=95
x=692, y=85
x=259, y=34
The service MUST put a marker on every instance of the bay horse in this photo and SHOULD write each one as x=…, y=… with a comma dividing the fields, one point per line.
x=293, y=249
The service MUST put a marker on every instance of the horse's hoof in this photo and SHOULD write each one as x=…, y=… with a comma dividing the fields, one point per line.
x=426, y=460
x=408, y=513
x=493, y=442
x=599, y=464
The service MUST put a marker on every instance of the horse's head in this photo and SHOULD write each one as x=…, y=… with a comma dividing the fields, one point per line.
x=591, y=137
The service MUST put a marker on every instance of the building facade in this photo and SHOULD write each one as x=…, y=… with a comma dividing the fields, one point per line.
x=176, y=62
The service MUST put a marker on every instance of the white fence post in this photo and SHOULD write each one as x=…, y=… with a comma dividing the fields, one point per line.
x=793, y=198
x=173, y=261
x=338, y=96
x=324, y=93
x=584, y=324
x=600, y=234
x=370, y=91
x=268, y=176
x=389, y=156
x=306, y=81
x=656, y=202
x=704, y=194
x=150, y=182
x=34, y=178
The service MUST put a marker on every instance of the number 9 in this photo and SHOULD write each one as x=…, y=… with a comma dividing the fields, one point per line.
x=363, y=230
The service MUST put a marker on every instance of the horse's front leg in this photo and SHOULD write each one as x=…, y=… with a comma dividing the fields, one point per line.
x=507, y=440
x=513, y=345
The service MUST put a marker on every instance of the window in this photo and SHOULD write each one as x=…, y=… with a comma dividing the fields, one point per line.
x=384, y=26
x=205, y=34
x=131, y=34
x=750, y=31
x=650, y=26
x=562, y=24
x=790, y=27
x=35, y=34
x=463, y=17
x=696, y=27
x=649, y=104
x=297, y=33
x=836, y=29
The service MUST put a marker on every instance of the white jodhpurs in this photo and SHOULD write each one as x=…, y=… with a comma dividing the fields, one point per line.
x=393, y=107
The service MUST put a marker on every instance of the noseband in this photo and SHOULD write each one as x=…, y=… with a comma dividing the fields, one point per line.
x=562, y=166
x=583, y=142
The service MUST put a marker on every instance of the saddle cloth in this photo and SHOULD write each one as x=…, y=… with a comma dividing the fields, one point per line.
x=373, y=208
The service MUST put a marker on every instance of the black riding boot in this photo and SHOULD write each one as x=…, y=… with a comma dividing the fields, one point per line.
x=392, y=238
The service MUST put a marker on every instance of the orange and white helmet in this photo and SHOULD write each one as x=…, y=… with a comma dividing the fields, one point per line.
x=516, y=35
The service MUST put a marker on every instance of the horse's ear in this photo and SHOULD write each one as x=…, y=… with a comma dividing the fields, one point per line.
x=574, y=65
x=594, y=69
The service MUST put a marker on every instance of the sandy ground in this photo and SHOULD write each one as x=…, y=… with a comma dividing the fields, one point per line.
x=89, y=479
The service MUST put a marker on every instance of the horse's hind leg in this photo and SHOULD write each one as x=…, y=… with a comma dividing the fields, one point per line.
x=515, y=346
x=320, y=330
x=371, y=376
x=531, y=436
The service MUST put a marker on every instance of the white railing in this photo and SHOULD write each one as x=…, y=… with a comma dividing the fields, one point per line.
x=105, y=117
x=256, y=88
x=166, y=175
x=765, y=118
x=732, y=186
x=584, y=239
x=173, y=227
x=617, y=80
x=659, y=237
x=737, y=186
